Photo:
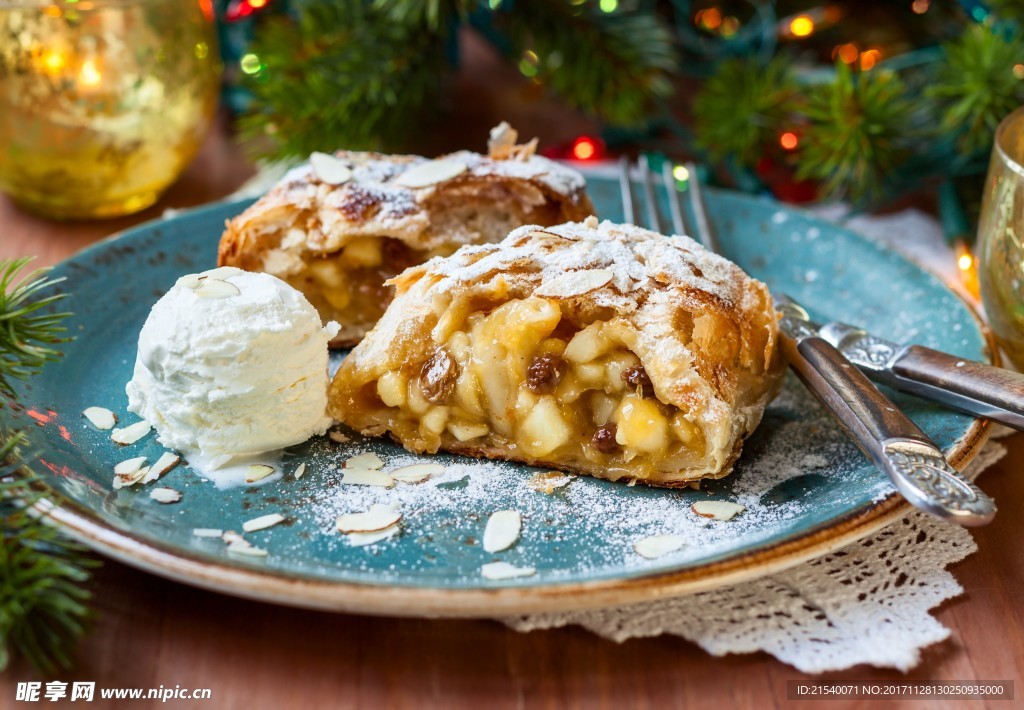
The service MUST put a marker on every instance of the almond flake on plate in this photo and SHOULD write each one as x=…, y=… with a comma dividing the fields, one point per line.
x=207, y=532
x=368, y=460
x=574, y=283
x=165, y=495
x=165, y=463
x=130, y=466
x=377, y=518
x=216, y=288
x=361, y=539
x=417, y=472
x=262, y=522
x=329, y=168
x=658, y=545
x=502, y=531
x=338, y=437
x=100, y=417
x=503, y=570
x=549, y=481
x=431, y=173
x=257, y=472
x=128, y=435
x=247, y=549
x=717, y=509
x=299, y=471
x=125, y=480
x=367, y=477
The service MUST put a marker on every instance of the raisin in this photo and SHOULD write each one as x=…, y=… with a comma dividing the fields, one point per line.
x=604, y=439
x=639, y=380
x=438, y=376
x=544, y=373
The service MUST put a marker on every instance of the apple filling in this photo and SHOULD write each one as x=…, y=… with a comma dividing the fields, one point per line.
x=347, y=286
x=524, y=378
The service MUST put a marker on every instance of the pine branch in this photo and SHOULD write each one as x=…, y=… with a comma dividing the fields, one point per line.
x=42, y=598
x=743, y=106
x=342, y=75
x=615, y=66
x=857, y=132
x=976, y=85
x=27, y=334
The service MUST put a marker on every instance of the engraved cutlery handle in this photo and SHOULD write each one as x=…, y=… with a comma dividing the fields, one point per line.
x=894, y=443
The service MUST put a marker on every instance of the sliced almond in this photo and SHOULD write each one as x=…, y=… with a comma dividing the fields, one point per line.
x=329, y=168
x=367, y=477
x=165, y=463
x=502, y=531
x=216, y=288
x=207, y=532
x=257, y=472
x=503, y=570
x=431, y=172
x=128, y=435
x=126, y=480
x=247, y=549
x=130, y=466
x=417, y=472
x=262, y=522
x=658, y=545
x=338, y=437
x=100, y=417
x=165, y=495
x=549, y=481
x=299, y=471
x=360, y=539
x=717, y=509
x=368, y=460
x=376, y=518
x=233, y=538
x=574, y=283
x=190, y=281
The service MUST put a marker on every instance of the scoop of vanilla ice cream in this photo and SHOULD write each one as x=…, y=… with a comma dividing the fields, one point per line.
x=232, y=364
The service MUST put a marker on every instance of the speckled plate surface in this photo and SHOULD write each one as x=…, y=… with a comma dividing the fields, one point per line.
x=806, y=488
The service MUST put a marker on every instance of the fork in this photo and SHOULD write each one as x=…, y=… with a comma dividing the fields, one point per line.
x=912, y=461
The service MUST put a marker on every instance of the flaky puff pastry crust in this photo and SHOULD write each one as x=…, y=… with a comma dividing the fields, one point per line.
x=703, y=330
x=304, y=219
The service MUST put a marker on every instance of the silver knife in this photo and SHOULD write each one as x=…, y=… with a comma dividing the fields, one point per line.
x=894, y=444
x=973, y=387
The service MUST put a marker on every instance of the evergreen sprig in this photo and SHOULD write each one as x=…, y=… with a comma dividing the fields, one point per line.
x=43, y=601
x=343, y=73
x=976, y=85
x=740, y=108
x=857, y=131
x=27, y=332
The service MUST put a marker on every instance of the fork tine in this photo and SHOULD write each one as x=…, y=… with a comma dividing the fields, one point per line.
x=625, y=185
x=674, y=205
x=653, y=218
x=705, y=233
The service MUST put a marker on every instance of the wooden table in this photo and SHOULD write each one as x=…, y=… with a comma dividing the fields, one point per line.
x=151, y=632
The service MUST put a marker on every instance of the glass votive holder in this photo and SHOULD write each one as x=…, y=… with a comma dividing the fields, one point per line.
x=1001, y=238
x=103, y=103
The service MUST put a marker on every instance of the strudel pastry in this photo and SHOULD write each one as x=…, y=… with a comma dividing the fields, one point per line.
x=339, y=227
x=602, y=349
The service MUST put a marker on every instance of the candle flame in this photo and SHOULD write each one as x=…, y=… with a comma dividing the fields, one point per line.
x=89, y=75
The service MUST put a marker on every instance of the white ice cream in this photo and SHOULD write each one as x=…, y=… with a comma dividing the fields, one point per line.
x=232, y=364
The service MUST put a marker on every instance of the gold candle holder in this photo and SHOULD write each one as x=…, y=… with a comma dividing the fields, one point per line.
x=103, y=103
x=1001, y=238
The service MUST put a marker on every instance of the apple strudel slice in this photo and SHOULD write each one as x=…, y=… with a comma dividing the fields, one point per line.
x=603, y=349
x=339, y=227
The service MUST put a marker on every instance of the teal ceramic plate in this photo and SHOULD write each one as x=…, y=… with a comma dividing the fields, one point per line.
x=805, y=487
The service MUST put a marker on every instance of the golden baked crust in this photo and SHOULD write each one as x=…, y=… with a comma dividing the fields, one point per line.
x=338, y=244
x=601, y=349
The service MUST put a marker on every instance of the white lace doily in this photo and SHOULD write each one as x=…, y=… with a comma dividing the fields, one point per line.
x=866, y=603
